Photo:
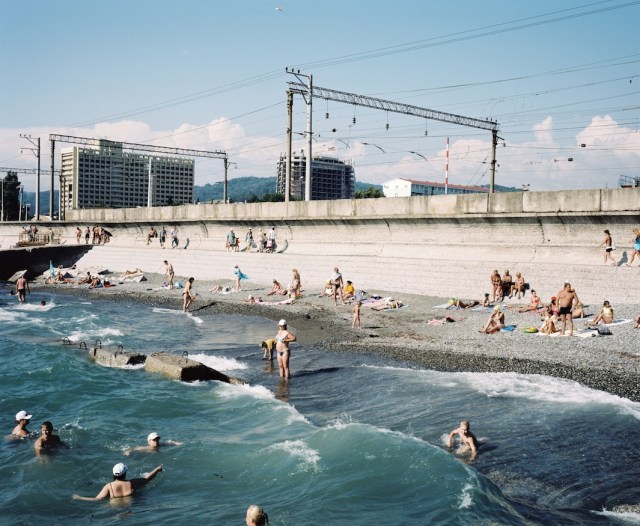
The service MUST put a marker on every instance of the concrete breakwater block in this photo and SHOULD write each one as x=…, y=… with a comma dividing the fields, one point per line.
x=117, y=358
x=184, y=369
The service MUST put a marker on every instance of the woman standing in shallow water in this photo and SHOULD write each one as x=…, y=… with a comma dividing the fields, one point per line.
x=283, y=338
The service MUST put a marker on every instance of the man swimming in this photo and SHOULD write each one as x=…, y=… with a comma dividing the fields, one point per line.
x=47, y=439
x=468, y=440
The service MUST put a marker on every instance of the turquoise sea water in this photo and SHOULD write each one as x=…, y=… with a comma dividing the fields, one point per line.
x=348, y=440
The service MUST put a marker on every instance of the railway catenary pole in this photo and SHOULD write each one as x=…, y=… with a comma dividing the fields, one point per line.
x=397, y=107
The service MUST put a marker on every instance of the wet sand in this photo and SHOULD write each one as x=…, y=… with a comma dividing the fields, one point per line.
x=608, y=363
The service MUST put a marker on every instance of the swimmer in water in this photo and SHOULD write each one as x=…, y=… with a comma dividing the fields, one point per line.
x=121, y=487
x=22, y=421
x=468, y=440
x=283, y=338
x=47, y=439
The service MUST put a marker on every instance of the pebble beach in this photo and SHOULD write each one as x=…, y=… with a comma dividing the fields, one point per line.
x=607, y=363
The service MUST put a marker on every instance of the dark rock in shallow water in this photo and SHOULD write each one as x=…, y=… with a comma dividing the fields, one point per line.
x=184, y=369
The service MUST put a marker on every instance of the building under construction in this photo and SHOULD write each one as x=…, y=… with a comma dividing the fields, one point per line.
x=330, y=178
x=107, y=176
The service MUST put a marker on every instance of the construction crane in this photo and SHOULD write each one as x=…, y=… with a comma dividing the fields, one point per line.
x=406, y=109
x=134, y=147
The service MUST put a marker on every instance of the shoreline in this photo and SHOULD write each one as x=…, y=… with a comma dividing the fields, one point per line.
x=604, y=363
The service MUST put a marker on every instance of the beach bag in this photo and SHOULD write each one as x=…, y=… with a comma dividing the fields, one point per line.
x=604, y=331
x=530, y=330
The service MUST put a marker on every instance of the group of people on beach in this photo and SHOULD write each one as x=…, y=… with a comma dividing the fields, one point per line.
x=264, y=242
x=96, y=234
x=609, y=247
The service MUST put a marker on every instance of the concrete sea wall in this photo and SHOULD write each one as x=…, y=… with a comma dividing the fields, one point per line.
x=441, y=245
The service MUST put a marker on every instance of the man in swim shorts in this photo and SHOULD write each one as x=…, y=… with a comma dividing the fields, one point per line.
x=566, y=298
x=283, y=338
x=22, y=287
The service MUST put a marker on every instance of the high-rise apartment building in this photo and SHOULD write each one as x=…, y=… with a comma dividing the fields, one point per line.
x=110, y=177
x=330, y=178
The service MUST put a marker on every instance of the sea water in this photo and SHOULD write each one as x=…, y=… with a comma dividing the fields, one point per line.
x=347, y=440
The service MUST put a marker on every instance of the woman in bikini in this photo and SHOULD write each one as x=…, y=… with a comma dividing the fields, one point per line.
x=121, y=487
x=283, y=338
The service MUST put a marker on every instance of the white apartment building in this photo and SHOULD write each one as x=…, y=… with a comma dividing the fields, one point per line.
x=110, y=177
x=330, y=178
x=408, y=187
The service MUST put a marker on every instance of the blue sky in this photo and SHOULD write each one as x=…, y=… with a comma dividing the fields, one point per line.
x=211, y=75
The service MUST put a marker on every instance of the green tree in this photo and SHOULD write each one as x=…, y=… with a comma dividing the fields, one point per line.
x=369, y=193
x=11, y=196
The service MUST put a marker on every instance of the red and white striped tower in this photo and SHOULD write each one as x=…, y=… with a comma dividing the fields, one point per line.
x=446, y=170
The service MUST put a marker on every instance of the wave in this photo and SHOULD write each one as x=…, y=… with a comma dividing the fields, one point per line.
x=530, y=386
x=219, y=363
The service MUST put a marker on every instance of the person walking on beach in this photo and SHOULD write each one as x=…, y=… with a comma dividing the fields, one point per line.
x=174, y=237
x=566, y=298
x=188, y=295
x=271, y=240
x=608, y=248
x=78, y=234
x=168, y=267
x=239, y=276
x=86, y=236
x=121, y=487
x=47, y=439
x=636, y=246
x=162, y=236
x=22, y=287
x=355, y=324
x=22, y=421
x=283, y=339
x=468, y=440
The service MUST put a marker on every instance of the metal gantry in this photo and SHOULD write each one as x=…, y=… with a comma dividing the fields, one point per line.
x=35, y=171
x=405, y=109
x=167, y=150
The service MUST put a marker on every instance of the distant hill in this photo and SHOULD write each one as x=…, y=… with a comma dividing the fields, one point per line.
x=30, y=199
x=247, y=188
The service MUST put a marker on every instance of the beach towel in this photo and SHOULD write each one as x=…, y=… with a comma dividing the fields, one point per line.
x=508, y=328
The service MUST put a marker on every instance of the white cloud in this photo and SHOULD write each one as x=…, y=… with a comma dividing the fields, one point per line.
x=542, y=161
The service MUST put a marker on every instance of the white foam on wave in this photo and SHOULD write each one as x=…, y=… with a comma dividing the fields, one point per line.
x=261, y=393
x=308, y=456
x=219, y=363
x=163, y=310
x=545, y=389
x=11, y=316
x=98, y=333
x=466, y=500
x=36, y=307
x=255, y=391
x=531, y=386
x=626, y=517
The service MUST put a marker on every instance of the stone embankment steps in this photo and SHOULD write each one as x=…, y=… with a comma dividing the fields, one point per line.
x=444, y=278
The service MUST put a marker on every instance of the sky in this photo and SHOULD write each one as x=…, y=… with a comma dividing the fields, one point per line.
x=561, y=79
